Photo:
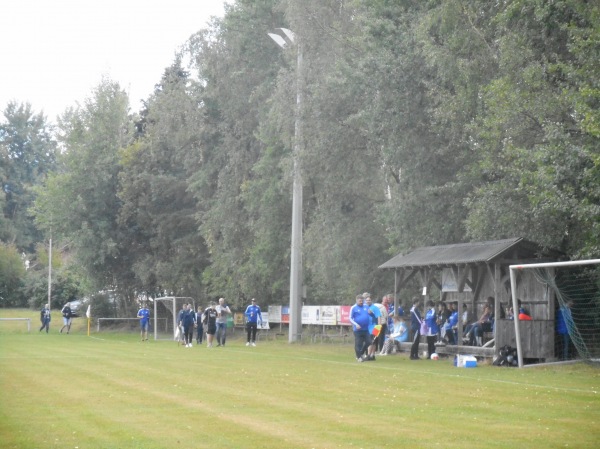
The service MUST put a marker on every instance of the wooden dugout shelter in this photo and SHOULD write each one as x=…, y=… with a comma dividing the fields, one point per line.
x=469, y=273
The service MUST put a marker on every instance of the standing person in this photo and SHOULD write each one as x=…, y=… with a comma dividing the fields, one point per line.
x=45, y=318
x=360, y=319
x=180, y=323
x=415, y=328
x=433, y=328
x=144, y=316
x=210, y=320
x=223, y=311
x=383, y=320
x=200, y=327
x=188, y=321
x=375, y=316
x=564, y=322
x=252, y=316
x=67, y=314
x=388, y=302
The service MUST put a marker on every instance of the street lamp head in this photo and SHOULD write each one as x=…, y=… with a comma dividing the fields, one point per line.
x=279, y=40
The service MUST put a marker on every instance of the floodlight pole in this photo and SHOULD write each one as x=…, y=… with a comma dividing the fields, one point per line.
x=50, y=274
x=296, y=277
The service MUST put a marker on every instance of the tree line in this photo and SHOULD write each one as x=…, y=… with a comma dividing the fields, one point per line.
x=423, y=123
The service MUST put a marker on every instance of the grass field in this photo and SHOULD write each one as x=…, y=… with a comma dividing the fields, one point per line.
x=113, y=391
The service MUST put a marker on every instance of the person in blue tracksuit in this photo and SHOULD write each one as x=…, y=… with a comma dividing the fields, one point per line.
x=360, y=319
x=252, y=316
x=433, y=328
x=564, y=323
x=144, y=316
x=452, y=324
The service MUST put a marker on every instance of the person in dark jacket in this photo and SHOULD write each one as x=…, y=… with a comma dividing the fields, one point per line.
x=67, y=314
x=210, y=322
x=187, y=322
x=45, y=318
x=415, y=328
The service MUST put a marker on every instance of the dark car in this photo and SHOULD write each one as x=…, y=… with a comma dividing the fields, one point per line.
x=77, y=308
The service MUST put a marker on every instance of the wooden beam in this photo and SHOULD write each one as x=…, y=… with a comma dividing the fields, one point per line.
x=403, y=278
x=461, y=278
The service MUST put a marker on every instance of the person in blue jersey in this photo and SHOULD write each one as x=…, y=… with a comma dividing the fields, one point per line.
x=564, y=322
x=449, y=330
x=144, y=316
x=360, y=319
x=253, y=316
x=210, y=322
x=376, y=317
x=415, y=328
x=433, y=328
x=188, y=321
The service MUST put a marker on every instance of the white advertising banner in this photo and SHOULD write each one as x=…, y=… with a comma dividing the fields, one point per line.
x=275, y=314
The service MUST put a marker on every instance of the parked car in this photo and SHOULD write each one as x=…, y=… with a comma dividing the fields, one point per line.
x=78, y=307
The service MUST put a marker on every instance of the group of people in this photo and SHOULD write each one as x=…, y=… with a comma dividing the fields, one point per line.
x=212, y=321
x=46, y=317
x=377, y=327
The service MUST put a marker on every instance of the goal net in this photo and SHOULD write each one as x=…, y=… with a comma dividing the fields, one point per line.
x=576, y=287
x=125, y=324
x=164, y=318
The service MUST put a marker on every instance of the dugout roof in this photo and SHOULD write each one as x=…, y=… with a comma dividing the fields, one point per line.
x=465, y=253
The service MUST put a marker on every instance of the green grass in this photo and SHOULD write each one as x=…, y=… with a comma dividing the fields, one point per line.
x=113, y=391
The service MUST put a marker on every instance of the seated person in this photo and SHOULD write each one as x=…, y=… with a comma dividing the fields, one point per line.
x=450, y=327
x=475, y=331
x=524, y=316
x=523, y=311
x=399, y=335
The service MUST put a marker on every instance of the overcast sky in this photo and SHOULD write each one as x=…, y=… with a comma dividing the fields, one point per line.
x=54, y=52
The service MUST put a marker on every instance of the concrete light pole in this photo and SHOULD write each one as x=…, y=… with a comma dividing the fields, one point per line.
x=296, y=277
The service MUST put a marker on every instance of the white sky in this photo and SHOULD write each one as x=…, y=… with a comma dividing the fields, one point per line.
x=54, y=52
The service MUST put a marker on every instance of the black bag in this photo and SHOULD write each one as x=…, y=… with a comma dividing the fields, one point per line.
x=507, y=356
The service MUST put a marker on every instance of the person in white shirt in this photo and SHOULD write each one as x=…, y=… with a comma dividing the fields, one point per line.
x=223, y=311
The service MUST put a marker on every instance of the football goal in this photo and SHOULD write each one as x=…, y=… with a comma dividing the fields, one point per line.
x=576, y=287
x=166, y=309
x=124, y=324
x=13, y=320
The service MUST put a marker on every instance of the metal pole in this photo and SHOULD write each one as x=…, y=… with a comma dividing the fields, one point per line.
x=296, y=275
x=296, y=249
x=50, y=275
x=555, y=264
x=513, y=288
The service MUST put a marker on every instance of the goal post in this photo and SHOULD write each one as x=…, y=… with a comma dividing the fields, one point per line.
x=167, y=308
x=124, y=324
x=576, y=285
x=27, y=320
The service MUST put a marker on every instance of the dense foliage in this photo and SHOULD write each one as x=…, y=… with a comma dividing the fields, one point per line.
x=420, y=123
